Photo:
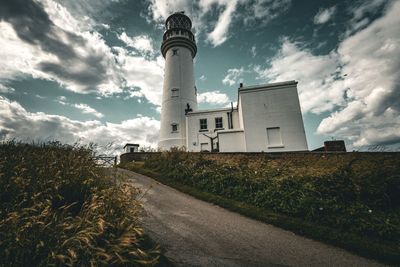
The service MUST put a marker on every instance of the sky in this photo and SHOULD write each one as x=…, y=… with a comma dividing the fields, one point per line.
x=91, y=71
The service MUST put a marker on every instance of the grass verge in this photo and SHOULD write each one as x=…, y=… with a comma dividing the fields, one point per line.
x=58, y=208
x=385, y=252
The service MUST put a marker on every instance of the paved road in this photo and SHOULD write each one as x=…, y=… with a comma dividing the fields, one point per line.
x=196, y=233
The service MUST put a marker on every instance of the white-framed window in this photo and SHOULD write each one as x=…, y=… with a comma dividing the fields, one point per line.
x=218, y=123
x=203, y=124
x=274, y=137
x=175, y=92
x=174, y=127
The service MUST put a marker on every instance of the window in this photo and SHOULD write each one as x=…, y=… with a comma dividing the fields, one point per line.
x=203, y=124
x=175, y=92
x=274, y=137
x=218, y=123
x=174, y=52
x=174, y=127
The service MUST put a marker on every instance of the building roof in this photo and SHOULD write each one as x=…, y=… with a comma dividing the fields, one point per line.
x=209, y=111
x=230, y=131
x=267, y=86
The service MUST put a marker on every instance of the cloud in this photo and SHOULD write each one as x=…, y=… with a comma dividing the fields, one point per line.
x=203, y=78
x=372, y=65
x=143, y=74
x=220, y=32
x=90, y=12
x=253, y=51
x=88, y=110
x=45, y=41
x=324, y=15
x=358, y=83
x=6, y=89
x=141, y=43
x=361, y=13
x=233, y=76
x=217, y=27
x=161, y=9
x=261, y=12
x=16, y=122
x=84, y=108
x=214, y=97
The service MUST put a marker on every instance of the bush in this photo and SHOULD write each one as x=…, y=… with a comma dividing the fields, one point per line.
x=58, y=208
x=354, y=192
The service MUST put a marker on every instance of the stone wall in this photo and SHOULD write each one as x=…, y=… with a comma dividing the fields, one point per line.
x=141, y=156
x=135, y=156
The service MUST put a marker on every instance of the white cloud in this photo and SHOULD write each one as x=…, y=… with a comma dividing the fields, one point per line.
x=161, y=9
x=88, y=110
x=142, y=73
x=84, y=108
x=233, y=76
x=214, y=97
x=142, y=43
x=361, y=13
x=371, y=63
x=263, y=11
x=220, y=32
x=56, y=48
x=324, y=15
x=217, y=30
x=253, y=51
x=203, y=78
x=359, y=82
x=16, y=122
x=6, y=89
x=228, y=105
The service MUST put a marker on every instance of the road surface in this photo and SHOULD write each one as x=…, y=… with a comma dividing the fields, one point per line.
x=197, y=233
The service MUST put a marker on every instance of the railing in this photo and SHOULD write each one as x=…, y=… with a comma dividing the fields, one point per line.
x=178, y=33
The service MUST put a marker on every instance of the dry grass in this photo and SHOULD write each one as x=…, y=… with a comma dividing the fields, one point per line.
x=58, y=208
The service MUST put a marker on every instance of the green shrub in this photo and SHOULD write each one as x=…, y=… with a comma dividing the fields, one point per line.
x=355, y=192
x=58, y=208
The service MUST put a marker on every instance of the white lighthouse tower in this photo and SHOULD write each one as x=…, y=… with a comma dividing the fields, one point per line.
x=179, y=90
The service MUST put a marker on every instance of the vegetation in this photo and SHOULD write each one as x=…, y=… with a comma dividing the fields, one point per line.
x=351, y=200
x=58, y=208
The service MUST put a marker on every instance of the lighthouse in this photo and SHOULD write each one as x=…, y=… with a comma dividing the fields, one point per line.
x=179, y=90
x=267, y=117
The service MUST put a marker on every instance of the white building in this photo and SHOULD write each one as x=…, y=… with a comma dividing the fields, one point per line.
x=267, y=117
x=131, y=148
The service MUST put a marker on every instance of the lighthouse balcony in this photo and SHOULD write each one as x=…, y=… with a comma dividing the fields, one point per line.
x=178, y=33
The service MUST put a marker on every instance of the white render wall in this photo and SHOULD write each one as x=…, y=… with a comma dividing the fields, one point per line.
x=195, y=137
x=231, y=140
x=178, y=74
x=273, y=105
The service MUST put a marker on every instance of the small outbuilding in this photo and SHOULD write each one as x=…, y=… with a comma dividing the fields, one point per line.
x=332, y=146
x=131, y=148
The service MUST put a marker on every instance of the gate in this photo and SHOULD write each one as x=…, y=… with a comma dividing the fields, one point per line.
x=105, y=161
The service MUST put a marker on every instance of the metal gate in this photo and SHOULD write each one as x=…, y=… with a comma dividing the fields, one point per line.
x=105, y=161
